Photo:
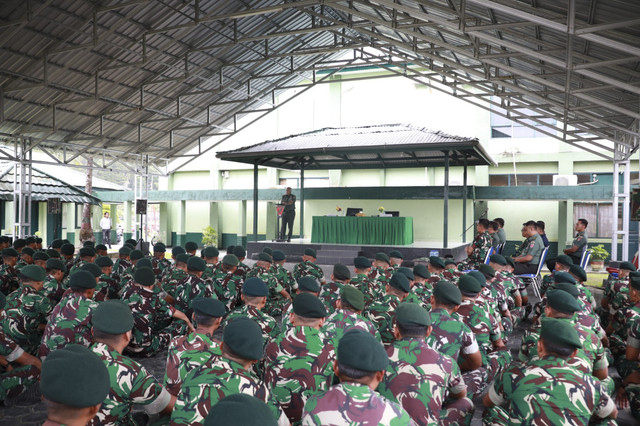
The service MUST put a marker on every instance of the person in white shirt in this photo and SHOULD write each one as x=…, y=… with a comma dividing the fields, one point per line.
x=105, y=225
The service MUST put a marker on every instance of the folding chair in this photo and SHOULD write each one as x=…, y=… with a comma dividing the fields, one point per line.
x=499, y=248
x=534, y=279
x=489, y=253
x=584, y=260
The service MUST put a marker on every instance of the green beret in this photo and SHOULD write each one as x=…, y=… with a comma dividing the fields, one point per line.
x=487, y=270
x=308, y=283
x=310, y=252
x=341, y=272
x=131, y=241
x=183, y=258
x=87, y=251
x=446, y=292
x=383, y=257
x=210, y=252
x=412, y=314
x=53, y=253
x=30, y=240
x=510, y=262
x=498, y=259
x=634, y=274
x=436, y=262
x=578, y=272
x=144, y=276
x=358, y=349
x=28, y=251
x=19, y=243
x=562, y=301
x=159, y=248
x=396, y=254
x=92, y=268
x=469, y=285
x=191, y=246
x=563, y=277
x=421, y=270
x=479, y=276
x=361, y=262
x=400, y=281
x=352, y=296
x=565, y=260
x=209, y=307
x=112, y=317
x=91, y=244
x=230, y=259
x=243, y=337
x=144, y=263
x=568, y=288
x=130, y=246
x=65, y=241
x=255, y=287
x=449, y=261
x=67, y=249
x=264, y=257
x=125, y=251
x=35, y=273
x=74, y=376
x=10, y=252
x=82, y=280
x=104, y=261
x=560, y=332
x=268, y=250
x=309, y=306
x=634, y=282
x=101, y=247
x=239, y=251
x=408, y=272
x=136, y=255
x=3, y=300
x=240, y=409
x=176, y=250
x=58, y=264
x=278, y=256
x=56, y=244
x=628, y=266
x=196, y=264
x=40, y=255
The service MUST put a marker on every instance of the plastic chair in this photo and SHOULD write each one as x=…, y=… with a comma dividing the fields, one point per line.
x=584, y=260
x=535, y=279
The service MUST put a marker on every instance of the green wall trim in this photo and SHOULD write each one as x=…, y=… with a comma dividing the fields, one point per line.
x=585, y=192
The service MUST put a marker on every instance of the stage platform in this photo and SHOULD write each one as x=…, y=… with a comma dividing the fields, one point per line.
x=330, y=254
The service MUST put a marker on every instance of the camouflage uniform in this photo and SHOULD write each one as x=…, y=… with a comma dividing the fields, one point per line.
x=153, y=329
x=227, y=286
x=421, y=295
x=25, y=310
x=242, y=270
x=379, y=279
x=546, y=391
x=76, y=267
x=131, y=384
x=268, y=325
x=275, y=300
x=189, y=288
x=171, y=280
x=70, y=322
x=342, y=320
x=450, y=336
x=364, y=284
x=512, y=286
x=53, y=289
x=19, y=379
x=159, y=266
x=298, y=364
x=627, y=367
x=381, y=315
x=624, y=319
x=108, y=287
x=203, y=387
x=8, y=279
x=307, y=267
x=284, y=277
x=330, y=294
x=185, y=354
x=481, y=246
x=351, y=404
x=419, y=377
x=119, y=266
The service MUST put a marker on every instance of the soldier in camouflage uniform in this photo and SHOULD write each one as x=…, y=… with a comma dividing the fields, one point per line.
x=360, y=366
x=451, y=272
x=154, y=327
x=548, y=390
x=9, y=281
x=122, y=263
x=127, y=280
x=420, y=378
x=131, y=384
x=53, y=288
x=210, y=255
x=561, y=263
x=107, y=286
x=193, y=286
x=70, y=320
x=395, y=259
x=380, y=275
x=191, y=351
x=299, y=363
x=226, y=283
x=175, y=275
x=278, y=296
x=348, y=315
x=306, y=284
x=126, y=277
x=40, y=258
x=478, y=249
x=254, y=296
x=228, y=374
x=283, y=276
x=101, y=250
x=309, y=267
x=86, y=255
x=623, y=321
x=381, y=313
x=422, y=289
x=330, y=293
x=612, y=288
x=27, y=310
x=240, y=410
x=436, y=269
x=18, y=370
x=159, y=262
x=361, y=280
x=509, y=282
x=629, y=369
x=242, y=268
x=67, y=252
x=26, y=258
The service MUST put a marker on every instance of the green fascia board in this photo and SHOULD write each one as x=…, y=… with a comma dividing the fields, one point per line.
x=582, y=192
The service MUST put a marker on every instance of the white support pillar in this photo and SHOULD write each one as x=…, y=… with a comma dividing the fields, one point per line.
x=22, y=175
x=621, y=198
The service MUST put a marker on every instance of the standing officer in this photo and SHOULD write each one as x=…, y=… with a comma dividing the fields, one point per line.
x=289, y=213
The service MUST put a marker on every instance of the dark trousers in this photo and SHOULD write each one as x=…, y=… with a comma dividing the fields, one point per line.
x=576, y=259
x=106, y=237
x=525, y=268
x=287, y=220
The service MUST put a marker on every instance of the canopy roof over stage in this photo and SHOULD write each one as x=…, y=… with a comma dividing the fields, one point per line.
x=368, y=147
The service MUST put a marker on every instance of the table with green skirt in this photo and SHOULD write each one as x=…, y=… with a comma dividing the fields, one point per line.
x=362, y=230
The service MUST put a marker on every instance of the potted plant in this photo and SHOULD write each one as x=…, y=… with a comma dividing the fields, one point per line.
x=598, y=255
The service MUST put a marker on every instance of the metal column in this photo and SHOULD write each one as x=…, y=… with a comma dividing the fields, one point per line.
x=464, y=202
x=141, y=192
x=255, y=201
x=621, y=198
x=301, y=200
x=22, y=178
x=445, y=230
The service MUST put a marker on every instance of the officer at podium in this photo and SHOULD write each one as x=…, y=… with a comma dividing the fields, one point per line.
x=289, y=213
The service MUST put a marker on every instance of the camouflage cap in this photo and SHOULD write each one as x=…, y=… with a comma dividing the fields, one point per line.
x=144, y=263
x=360, y=350
x=101, y=247
x=412, y=314
x=176, y=250
x=191, y=246
x=74, y=376
x=421, y=270
x=487, y=270
x=628, y=266
x=240, y=409
x=208, y=306
x=28, y=251
x=309, y=306
x=478, y=276
x=408, y=272
x=92, y=268
x=58, y=264
x=87, y=252
x=159, y=248
x=34, y=272
x=562, y=301
x=469, y=285
x=255, y=287
x=210, y=252
x=268, y=250
x=400, y=281
x=498, y=259
x=56, y=244
x=353, y=297
x=243, y=337
x=40, y=255
x=309, y=283
x=341, y=272
x=265, y=257
x=239, y=251
x=53, y=253
x=436, y=262
x=560, y=332
x=361, y=262
x=446, y=292
x=568, y=288
x=104, y=261
x=563, y=277
x=310, y=252
x=144, y=276
x=183, y=258
x=10, y=252
x=278, y=256
x=82, y=280
x=67, y=249
x=396, y=254
x=136, y=255
x=382, y=257
x=578, y=272
x=230, y=260
x=112, y=317
x=125, y=251
x=565, y=260
x=196, y=264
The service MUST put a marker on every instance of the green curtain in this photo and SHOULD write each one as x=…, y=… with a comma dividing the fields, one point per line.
x=362, y=230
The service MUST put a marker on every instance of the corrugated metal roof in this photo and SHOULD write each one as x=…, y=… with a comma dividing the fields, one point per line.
x=381, y=146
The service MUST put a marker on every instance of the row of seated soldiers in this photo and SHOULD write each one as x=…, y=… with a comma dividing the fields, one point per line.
x=459, y=343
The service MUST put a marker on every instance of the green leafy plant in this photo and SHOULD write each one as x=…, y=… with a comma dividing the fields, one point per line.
x=598, y=252
x=209, y=237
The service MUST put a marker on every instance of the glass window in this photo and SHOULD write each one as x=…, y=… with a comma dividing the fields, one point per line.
x=599, y=216
x=499, y=180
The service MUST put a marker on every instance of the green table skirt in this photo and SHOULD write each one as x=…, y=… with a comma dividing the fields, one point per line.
x=362, y=230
